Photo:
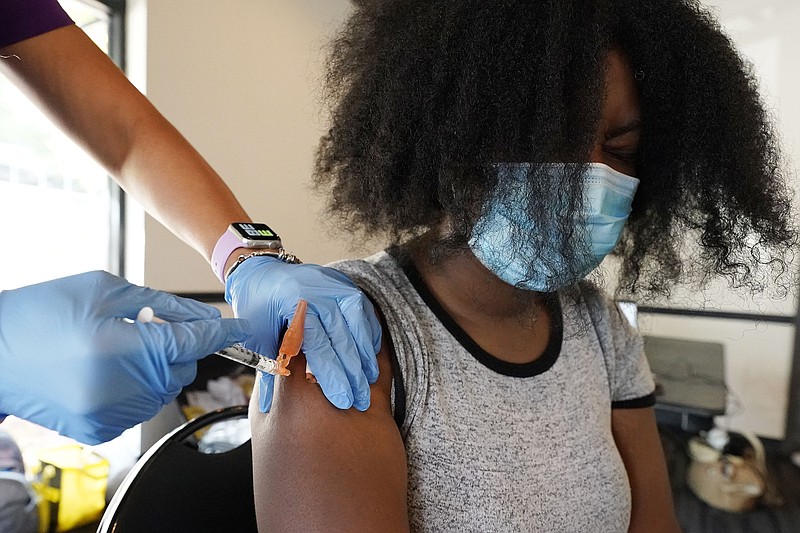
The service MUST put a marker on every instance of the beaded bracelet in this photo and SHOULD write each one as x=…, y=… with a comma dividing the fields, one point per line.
x=280, y=255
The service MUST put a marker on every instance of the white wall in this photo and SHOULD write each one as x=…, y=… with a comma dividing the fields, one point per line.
x=239, y=79
x=765, y=32
x=757, y=365
x=758, y=354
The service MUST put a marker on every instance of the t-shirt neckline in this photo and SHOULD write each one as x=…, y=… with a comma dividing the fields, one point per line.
x=520, y=370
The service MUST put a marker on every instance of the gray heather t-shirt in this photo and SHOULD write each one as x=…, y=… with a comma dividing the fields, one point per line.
x=494, y=446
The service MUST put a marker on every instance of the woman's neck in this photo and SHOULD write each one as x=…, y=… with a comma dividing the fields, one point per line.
x=510, y=323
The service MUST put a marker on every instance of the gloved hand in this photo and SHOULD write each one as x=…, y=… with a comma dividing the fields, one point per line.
x=70, y=363
x=341, y=336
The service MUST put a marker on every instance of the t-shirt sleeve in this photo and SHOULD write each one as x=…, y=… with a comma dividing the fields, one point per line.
x=23, y=19
x=632, y=384
x=630, y=379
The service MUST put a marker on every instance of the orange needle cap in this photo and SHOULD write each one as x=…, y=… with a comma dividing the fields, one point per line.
x=292, y=339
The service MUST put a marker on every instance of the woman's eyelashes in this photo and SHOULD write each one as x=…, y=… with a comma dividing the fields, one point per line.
x=620, y=147
x=628, y=156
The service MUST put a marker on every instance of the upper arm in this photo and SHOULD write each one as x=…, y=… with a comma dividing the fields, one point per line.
x=637, y=440
x=318, y=468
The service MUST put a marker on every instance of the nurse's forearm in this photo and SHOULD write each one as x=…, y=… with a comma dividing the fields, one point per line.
x=86, y=95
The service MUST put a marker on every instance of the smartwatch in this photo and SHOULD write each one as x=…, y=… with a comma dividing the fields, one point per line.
x=242, y=235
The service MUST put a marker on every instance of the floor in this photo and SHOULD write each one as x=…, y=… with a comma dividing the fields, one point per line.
x=697, y=517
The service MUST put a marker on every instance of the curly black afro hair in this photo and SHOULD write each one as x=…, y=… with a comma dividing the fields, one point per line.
x=427, y=94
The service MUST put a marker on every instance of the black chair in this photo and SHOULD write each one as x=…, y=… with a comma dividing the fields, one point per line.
x=176, y=487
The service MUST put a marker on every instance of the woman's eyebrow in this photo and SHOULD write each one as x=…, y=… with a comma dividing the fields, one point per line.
x=635, y=125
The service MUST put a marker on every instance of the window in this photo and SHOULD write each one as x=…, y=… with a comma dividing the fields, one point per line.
x=59, y=211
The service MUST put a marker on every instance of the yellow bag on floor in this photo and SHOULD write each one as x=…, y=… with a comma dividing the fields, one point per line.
x=71, y=484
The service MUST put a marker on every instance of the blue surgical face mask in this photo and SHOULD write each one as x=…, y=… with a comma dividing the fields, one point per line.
x=607, y=198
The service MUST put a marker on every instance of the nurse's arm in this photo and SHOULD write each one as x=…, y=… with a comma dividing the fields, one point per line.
x=87, y=96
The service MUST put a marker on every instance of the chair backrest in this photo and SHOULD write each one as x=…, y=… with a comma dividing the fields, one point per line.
x=176, y=487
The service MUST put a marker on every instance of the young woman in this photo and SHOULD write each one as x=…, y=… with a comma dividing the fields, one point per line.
x=502, y=146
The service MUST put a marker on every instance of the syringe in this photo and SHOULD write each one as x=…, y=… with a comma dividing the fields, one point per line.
x=237, y=352
x=240, y=354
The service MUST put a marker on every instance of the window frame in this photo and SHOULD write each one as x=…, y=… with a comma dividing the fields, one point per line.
x=117, y=199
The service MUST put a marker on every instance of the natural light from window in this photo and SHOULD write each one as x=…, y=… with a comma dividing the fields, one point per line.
x=55, y=201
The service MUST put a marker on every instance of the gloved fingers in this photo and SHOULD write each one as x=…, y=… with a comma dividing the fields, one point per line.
x=177, y=309
x=144, y=360
x=92, y=433
x=266, y=385
x=338, y=277
x=366, y=331
x=109, y=424
x=111, y=295
x=326, y=366
x=180, y=375
x=182, y=342
x=348, y=353
x=91, y=427
x=166, y=306
x=125, y=411
x=265, y=336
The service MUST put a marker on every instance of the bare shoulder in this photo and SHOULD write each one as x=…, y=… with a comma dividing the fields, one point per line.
x=319, y=468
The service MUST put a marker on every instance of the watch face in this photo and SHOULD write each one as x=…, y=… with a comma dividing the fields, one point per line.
x=253, y=231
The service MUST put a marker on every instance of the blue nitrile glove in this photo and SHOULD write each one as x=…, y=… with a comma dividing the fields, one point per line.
x=70, y=363
x=341, y=336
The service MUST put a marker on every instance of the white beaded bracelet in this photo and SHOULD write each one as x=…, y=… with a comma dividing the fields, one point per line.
x=280, y=254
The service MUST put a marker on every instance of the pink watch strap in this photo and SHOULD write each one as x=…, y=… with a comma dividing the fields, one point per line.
x=226, y=244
